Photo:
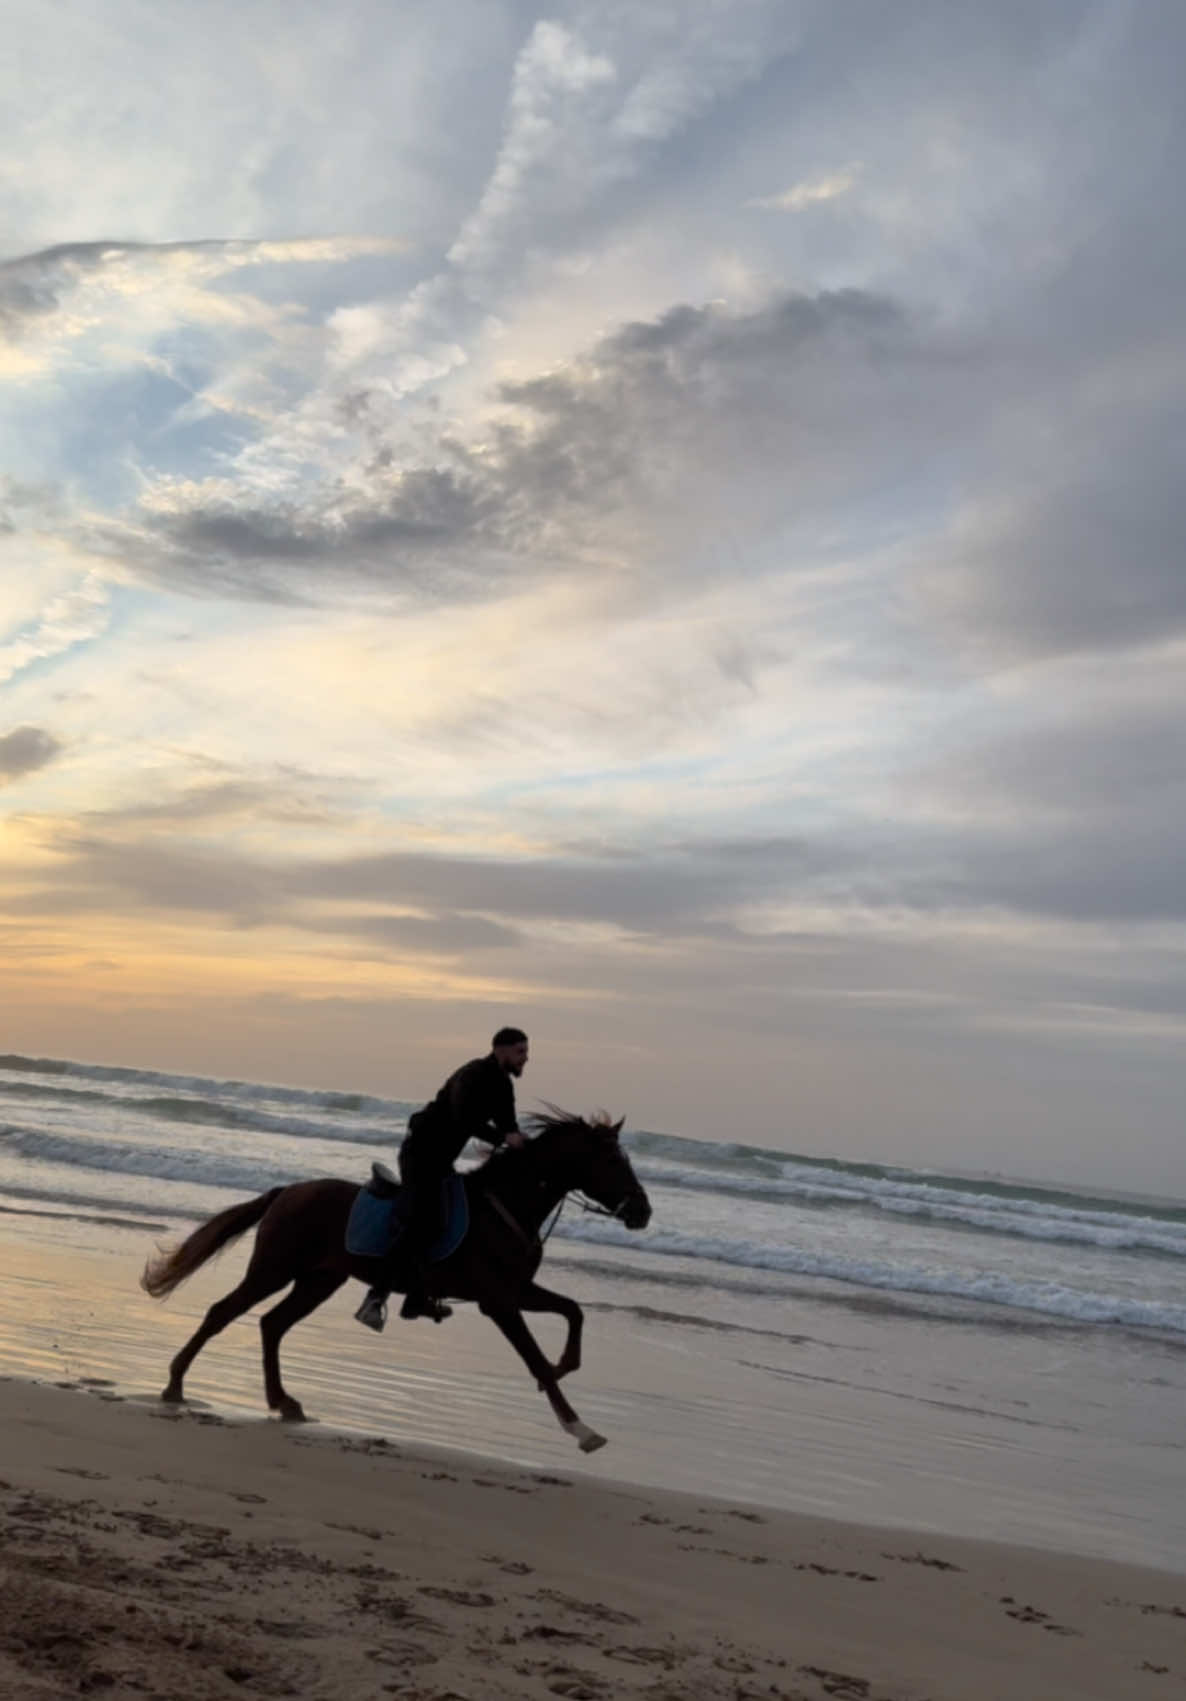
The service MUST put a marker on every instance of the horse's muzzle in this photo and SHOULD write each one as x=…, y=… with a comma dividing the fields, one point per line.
x=635, y=1210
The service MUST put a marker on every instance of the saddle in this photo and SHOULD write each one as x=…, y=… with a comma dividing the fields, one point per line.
x=384, y=1182
x=378, y=1217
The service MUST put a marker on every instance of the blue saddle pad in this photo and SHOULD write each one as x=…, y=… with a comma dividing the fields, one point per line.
x=376, y=1225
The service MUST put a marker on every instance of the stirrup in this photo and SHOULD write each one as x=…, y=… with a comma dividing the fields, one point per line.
x=372, y=1312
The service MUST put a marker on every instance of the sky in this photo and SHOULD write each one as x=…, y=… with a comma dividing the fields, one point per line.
x=659, y=523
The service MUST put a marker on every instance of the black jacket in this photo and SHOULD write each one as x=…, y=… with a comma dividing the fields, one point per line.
x=477, y=1102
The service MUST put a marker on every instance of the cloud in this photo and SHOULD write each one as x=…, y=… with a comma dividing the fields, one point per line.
x=771, y=619
x=810, y=193
x=444, y=934
x=555, y=95
x=1082, y=549
x=682, y=888
x=76, y=616
x=228, y=800
x=35, y=285
x=24, y=750
x=614, y=455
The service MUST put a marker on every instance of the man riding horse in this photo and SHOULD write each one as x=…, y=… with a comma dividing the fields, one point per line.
x=301, y=1244
x=477, y=1102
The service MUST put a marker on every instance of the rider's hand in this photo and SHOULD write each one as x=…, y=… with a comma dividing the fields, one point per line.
x=514, y=1140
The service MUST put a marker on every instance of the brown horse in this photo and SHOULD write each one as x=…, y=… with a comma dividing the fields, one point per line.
x=302, y=1239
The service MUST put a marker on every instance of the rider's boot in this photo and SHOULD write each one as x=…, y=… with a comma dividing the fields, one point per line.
x=419, y=1302
x=373, y=1310
x=425, y=1305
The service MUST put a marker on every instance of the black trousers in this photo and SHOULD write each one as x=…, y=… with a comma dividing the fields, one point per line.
x=423, y=1175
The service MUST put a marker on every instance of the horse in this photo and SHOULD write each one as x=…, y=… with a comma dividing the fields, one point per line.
x=301, y=1238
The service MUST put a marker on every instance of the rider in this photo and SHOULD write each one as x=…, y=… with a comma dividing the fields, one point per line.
x=477, y=1102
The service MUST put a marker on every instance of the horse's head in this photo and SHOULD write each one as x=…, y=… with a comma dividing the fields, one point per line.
x=594, y=1163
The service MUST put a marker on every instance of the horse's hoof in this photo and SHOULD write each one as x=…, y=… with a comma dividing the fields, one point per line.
x=172, y=1396
x=589, y=1439
x=292, y=1412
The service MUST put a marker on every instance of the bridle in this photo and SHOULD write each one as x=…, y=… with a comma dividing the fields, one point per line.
x=591, y=1207
x=596, y=1209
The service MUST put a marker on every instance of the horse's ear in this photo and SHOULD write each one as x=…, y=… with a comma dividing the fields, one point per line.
x=615, y=1128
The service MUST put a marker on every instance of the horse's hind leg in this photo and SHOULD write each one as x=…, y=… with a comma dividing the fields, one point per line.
x=254, y=1287
x=309, y=1292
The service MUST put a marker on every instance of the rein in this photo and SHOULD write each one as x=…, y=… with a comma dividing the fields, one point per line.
x=530, y=1241
x=596, y=1210
x=541, y=1240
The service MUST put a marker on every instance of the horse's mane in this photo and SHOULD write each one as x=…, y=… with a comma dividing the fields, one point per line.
x=551, y=1120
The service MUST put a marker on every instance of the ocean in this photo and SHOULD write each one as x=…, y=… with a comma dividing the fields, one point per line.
x=902, y=1341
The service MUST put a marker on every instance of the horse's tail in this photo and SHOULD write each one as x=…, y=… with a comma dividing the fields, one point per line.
x=168, y=1269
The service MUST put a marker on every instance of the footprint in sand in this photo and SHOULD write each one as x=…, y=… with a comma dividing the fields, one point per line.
x=401, y=1654
x=833, y=1571
x=636, y=1656
x=743, y=1558
x=81, y=1471
x=564, y=1638
x=838, y=1683
x=1033, y=1615
x=516, y=1567
x=586, y=1609
x=923, y=1559
x=569, y=1681
x=736, y=1663
x=510, y=1487
x=459, y=1597
x=289, y=1629
x=372, y=1446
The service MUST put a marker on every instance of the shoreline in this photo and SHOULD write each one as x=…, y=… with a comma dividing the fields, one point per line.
x=176, y=1553
x=843, y=1417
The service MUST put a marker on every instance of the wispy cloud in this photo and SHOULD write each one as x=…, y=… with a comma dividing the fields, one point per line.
x=810, y=193
x=77, y=616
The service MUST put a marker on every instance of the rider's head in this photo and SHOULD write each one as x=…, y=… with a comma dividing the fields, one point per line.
x=509, y=1045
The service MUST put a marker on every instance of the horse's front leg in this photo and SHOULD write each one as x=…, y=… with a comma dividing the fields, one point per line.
x=510, y=1320
x=535, y=1298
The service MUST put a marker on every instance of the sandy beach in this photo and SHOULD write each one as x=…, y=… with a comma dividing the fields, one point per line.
x=836, y=1511
x=150, y=1553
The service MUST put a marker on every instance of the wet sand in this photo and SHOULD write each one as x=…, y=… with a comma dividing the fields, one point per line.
x=148, y=1552
x=1048, y=1439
